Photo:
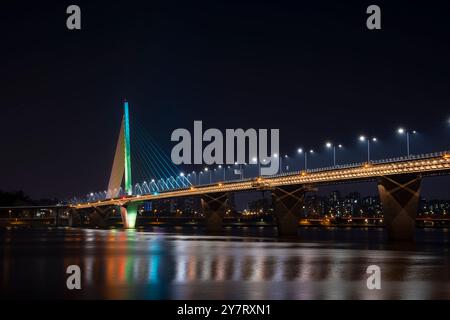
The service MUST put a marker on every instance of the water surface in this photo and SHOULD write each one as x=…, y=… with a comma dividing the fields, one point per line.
x=241, y=263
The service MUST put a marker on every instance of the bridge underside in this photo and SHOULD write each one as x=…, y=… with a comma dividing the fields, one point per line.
x=97, y=217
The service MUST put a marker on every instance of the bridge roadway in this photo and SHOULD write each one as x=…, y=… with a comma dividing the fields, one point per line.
x=398, y=180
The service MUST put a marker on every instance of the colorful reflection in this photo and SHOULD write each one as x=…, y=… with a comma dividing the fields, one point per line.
x=141, y=265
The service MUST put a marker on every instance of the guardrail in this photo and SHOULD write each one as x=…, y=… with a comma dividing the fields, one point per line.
x=317, y=170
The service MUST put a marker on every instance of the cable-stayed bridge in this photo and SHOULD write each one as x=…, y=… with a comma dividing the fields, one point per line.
x=398, y=179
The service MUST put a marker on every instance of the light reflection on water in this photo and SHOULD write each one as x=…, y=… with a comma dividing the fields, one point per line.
x=319, y=264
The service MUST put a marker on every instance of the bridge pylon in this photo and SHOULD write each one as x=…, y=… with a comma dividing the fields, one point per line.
x=121, y=170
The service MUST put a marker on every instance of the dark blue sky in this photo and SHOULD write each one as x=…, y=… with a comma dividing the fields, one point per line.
x=312, y=70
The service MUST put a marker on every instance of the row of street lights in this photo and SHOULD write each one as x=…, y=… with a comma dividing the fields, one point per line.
x=363, y=138
x=328, y=145
x=305, y=152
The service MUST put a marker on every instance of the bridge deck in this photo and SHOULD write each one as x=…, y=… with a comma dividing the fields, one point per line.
x=437, y=163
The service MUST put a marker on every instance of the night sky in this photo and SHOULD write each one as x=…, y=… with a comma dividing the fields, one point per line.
x=312, y=70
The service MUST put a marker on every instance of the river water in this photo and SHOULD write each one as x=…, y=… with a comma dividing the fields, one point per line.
x=241, y=263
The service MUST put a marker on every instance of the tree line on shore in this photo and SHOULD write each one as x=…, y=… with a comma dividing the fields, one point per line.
x=20, y=198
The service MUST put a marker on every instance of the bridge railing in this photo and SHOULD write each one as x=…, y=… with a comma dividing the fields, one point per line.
x=422, y=156
x=360, y=164
x=340, y=166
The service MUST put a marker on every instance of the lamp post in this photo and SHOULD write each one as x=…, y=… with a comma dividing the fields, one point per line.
x=362, y=139
x=330, y=145
x=300, y=151
x=223, y=169
x=281, y=161
x=210, y=176
x=407, y=133
x=195, y=177
x=287, y=166
x=152, y=182
x=241, y=170
x=255, y=161
x=275, y=155
x=182, y=177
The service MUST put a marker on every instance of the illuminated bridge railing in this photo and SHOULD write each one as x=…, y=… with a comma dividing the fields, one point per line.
x=355, y=171
x=360, y=164
x=431, y=164
x=395, y=160
x=339, y=170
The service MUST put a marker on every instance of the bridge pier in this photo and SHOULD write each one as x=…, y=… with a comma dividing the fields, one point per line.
x=129, y=214
x=214, y=206
x=74, y=219
x=57, y=217
x=400, y=196
x=288, y=202
x=99, y=217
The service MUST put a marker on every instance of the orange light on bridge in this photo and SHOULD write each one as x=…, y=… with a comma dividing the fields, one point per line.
x=220, y=184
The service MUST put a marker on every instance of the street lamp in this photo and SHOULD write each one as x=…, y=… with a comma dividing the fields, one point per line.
x=255, y=160
x=403, y=131
x=362, y=139
x=300, y=151
x=181, y=177
x=275, y=155
x=195, y=177
x=287, y=166
x=241, y=171
x=220, y=167
x=210, y=176
x=330, y=145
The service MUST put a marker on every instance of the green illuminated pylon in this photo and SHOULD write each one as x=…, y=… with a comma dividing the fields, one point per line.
x=127, y=150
